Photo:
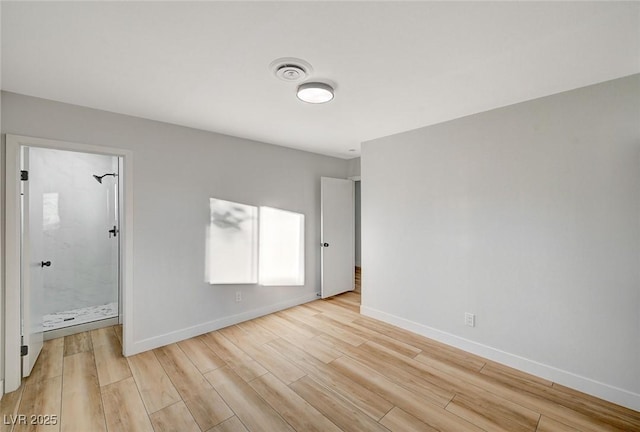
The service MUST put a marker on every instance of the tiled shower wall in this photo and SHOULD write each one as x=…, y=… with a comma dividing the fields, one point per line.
x=77, y=214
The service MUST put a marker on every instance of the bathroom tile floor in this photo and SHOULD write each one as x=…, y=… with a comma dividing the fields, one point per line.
x=80, y=316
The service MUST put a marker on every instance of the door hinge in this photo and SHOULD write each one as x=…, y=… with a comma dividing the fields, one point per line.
x=24, y=175
x=24, y=350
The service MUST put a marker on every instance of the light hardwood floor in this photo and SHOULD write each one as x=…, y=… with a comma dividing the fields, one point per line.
x=317, y=367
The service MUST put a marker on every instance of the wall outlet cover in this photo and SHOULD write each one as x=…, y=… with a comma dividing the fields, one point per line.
x=469, y=319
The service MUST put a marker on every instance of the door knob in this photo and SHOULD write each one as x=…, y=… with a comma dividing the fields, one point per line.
x=45, y=263
x=325, y=244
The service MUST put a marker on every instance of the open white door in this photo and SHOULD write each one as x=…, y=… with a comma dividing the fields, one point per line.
x=33, y=265
x=338, y=236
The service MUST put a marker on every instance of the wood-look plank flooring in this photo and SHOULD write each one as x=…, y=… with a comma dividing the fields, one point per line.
x=317, y=367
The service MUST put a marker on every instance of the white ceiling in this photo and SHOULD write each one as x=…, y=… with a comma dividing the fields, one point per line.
x=397, y=65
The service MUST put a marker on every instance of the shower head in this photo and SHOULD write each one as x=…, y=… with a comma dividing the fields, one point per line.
x=99, y=178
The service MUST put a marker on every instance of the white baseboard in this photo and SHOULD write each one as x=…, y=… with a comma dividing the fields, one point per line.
x=598, y=389
x=1, y=388
x=189, y=332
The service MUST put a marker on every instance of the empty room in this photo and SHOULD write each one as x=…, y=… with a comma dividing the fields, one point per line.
x=320, y=216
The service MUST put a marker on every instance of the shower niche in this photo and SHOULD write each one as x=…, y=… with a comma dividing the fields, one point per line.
x=73, y=218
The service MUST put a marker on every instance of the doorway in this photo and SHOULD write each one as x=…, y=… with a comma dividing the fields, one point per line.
x=358, y=267
x=68, y=245
x=71, y=222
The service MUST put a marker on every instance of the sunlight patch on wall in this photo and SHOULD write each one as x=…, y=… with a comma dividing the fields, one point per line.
x=281, y=247
x=237, y=252
x=232, y=243
x=50, y=211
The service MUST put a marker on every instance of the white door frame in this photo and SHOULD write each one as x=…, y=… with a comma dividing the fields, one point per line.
x=12, y=360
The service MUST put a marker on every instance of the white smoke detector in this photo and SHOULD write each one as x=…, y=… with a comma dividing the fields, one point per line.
x=290, y=69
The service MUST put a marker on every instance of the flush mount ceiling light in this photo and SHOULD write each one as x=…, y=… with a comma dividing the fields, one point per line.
x=315, y=92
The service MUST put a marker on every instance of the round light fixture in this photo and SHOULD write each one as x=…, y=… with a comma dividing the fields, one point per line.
x=315, y=92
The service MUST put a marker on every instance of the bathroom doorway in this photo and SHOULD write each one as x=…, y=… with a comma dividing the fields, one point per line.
x=71, y=225
x=24, y=309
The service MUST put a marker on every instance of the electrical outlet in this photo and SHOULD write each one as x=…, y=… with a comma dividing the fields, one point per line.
x=469, y=319
x=238, y=296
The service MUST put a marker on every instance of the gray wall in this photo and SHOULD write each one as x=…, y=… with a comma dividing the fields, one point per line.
x=176, y=171
x=527, y=216
x=353, y=167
